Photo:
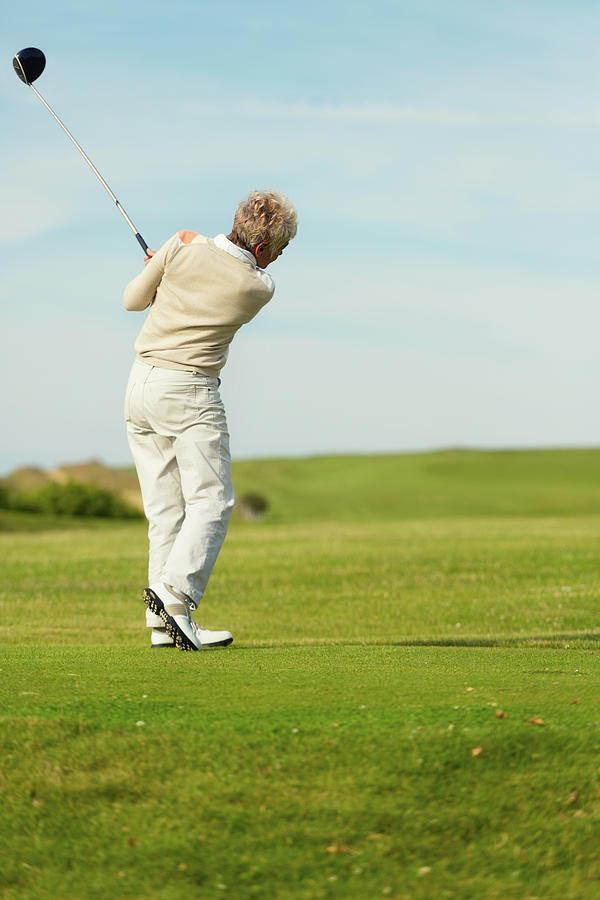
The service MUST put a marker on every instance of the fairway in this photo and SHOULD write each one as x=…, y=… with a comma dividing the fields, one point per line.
x=410, y=707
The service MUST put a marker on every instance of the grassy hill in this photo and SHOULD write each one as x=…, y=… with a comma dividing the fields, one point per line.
x=388, y=487
x=426, y=485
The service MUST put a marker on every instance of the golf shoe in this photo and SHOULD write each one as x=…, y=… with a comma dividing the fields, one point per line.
x=179, y=628
x=209, y=639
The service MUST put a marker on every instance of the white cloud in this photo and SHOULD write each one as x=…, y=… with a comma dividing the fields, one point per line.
x=451, y=173
x=457, y=308
x=367, y=112
x=305, y=396
x=35, y=196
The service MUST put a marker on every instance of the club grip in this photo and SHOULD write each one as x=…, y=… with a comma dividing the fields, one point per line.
x=141, y=242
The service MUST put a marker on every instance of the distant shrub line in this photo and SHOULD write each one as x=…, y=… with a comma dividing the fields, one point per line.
x=70, y=499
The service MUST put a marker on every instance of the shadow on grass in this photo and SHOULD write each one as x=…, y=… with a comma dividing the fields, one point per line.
x=535, y=640
x=571, y=641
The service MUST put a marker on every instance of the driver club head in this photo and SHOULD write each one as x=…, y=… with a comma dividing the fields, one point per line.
x=29, y=64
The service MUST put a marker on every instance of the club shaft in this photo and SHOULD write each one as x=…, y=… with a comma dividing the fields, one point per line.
x=138, y=236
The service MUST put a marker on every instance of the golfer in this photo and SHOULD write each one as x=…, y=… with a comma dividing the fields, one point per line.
x=200, y=292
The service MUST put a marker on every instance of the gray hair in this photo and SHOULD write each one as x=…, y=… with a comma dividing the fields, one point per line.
x=265, y=216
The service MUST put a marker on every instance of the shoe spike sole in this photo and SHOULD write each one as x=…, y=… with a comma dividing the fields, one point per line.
x=155, y=605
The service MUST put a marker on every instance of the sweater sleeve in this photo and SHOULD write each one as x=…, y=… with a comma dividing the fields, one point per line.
x=141, y=291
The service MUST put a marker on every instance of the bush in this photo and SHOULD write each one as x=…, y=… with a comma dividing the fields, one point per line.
x=252, y=506
x=69, y=499
x=4, y=496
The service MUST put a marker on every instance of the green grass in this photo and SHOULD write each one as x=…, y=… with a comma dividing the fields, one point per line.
x=426, y=485
x=329, y=752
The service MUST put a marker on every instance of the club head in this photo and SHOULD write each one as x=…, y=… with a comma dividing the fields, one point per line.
x=29, y=64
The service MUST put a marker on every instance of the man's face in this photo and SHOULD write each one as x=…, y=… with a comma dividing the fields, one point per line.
x=264, y=256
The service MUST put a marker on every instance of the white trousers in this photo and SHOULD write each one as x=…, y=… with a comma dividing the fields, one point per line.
x=177, y=432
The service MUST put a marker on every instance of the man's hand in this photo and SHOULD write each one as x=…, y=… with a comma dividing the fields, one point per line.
x=151, y=253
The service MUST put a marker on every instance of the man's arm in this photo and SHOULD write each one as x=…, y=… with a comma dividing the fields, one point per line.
x=140, y=292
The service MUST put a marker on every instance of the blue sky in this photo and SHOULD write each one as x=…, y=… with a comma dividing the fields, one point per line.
x=443, y=287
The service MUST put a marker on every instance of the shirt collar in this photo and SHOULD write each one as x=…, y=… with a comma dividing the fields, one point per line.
x=223, y=243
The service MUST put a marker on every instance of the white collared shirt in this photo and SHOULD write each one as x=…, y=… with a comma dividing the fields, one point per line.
x=223, y=243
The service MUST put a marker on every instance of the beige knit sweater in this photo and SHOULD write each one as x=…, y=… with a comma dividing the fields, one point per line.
x=199, y=296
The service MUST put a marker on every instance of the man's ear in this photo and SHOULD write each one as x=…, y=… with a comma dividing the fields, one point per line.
x=259, y=253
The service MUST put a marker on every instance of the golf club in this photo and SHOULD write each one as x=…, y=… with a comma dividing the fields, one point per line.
x=29, y=65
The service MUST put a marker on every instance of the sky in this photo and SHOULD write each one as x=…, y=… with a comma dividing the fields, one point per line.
x=442, y=290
